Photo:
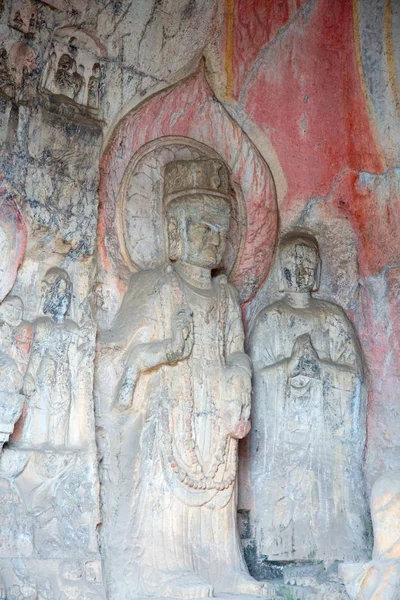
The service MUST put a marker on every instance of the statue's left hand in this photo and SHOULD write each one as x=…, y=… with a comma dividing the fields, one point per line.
x=237, y=401
x=241, y=429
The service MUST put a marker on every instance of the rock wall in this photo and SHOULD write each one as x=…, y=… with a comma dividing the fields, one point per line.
x=301, y=100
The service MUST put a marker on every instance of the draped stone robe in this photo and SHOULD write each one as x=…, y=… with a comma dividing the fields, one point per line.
x=308, y=436
x=164, y=518
x=53, y=365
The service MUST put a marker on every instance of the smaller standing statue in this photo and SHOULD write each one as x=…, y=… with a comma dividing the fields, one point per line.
x=307, y=443
x=68, y=80
x=11, y=398
x=379, y=579
x=11, y=367
x=94, y=87
x=52, y=367
x=12, y=247
x=15, y=333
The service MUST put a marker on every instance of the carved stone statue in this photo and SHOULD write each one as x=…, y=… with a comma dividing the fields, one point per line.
x=52, y=369
x=7, y=84
x=379, y=579
x=15, y=333
x=11, y=398
x=67, y=79
x=307, y=442
x=16, y=532
x=12, y=366
x=94, y=87
x=184, y=401
x=79, y=84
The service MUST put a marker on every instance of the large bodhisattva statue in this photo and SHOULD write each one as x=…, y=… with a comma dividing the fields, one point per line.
x=186, y=384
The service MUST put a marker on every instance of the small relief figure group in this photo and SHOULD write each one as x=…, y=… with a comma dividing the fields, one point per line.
x=65, y=77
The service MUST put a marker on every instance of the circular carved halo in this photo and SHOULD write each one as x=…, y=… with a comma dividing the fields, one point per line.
x=141, y=224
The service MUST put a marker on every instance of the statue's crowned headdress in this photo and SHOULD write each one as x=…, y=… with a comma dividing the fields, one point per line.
x=185, y=177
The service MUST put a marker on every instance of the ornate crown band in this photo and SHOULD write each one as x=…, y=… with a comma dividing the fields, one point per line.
x=184, y=177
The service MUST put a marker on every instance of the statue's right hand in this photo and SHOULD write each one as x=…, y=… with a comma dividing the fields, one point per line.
x=126, y=389
x=124, y=399
x=29, y=387
x=181, y=343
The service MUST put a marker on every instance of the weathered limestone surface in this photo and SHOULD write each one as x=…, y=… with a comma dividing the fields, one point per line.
x=66, y=72
x=96, y=98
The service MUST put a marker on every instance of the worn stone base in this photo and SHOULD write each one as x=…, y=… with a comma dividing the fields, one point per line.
x=327, y=591
x=310, y=582
x=30, y=578
x=218, y=597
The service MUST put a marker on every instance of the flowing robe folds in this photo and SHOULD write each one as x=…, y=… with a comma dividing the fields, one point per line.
x=53, y=366
x=307, y=442
x=165, y=519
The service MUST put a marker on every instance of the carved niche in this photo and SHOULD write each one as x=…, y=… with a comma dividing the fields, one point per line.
x=74, y=68
x=168, y=184
x=207, y=131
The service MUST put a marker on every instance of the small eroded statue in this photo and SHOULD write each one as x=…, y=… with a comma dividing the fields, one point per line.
x=379, y=579
x=185, y=394
x=11, y=369
x=15, y=333
x=52, y=369
x=94, y=86
x=69, y=81
x=307, y=442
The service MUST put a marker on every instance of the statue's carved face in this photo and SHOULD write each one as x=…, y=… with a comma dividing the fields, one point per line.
x=299, y=264
x=206, y=240
x=58, y=298
x=66, y=63
x=197, y=231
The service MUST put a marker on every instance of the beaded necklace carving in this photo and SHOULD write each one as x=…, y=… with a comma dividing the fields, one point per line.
x=194, y=477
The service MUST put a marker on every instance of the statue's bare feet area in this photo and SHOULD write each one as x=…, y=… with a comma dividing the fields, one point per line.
x=187, y=585
x=303, y=575
x=243, y=584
